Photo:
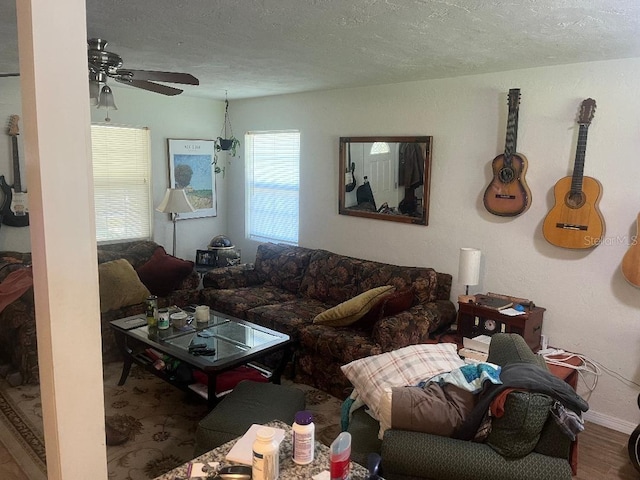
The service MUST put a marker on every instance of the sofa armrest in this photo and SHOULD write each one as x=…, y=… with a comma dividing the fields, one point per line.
x=190, y=282
x=235, y=276
x=421, y=455
x=413, y=326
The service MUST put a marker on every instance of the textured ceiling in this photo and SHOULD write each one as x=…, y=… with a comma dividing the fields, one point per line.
x=267, y=47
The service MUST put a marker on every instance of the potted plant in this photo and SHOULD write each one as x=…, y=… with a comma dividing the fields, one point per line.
x=228, y=145
x=224, y=142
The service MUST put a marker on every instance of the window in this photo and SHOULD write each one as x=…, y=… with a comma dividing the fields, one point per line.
x=380, y=147
x=272, y=185
x=122, y=187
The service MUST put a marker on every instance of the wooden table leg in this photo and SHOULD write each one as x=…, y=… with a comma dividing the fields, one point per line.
x=212, y=398
x=287, y=355
x=126, y=354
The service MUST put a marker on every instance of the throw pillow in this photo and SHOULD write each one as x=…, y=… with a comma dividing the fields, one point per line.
x=399, y=302
x=352, y=310
x=435, y=409
x=120, y=286
x=403, y=367
x=164, y=272
x=386, y=306
x=516, y=433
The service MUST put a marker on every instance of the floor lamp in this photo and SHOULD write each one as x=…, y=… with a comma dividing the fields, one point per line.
x=469, y=267
x=175, y=202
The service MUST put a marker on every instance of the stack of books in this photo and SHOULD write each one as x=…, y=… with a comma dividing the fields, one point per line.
x=493, y=302
x=475, y=349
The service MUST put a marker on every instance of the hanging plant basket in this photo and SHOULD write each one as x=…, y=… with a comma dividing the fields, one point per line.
x=225, y=143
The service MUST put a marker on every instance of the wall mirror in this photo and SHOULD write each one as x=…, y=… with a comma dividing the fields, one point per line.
x=386, y=178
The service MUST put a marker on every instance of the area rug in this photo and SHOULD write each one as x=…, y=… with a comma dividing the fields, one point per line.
x=162, y=421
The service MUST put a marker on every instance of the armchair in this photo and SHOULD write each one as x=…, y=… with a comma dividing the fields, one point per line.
x=415, y=455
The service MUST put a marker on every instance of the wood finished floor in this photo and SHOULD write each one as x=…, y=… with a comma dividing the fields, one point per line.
x=602, y=456
x=9, y=469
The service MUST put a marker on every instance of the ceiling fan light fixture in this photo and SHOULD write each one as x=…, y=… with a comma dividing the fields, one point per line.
x=106, y=99
x=94, y=92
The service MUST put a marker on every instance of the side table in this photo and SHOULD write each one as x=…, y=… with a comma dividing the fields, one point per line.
x=288, y=469
x=474, y=320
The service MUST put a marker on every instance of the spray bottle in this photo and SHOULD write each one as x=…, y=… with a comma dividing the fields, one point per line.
x=340, y=457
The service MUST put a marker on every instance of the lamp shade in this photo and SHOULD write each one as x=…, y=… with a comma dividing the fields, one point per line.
x=469, y=266
x=175, y=201
x=94, y=92
x=106, y=99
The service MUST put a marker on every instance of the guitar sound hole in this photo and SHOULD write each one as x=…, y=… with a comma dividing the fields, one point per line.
x=575, y=199
x=506, y=174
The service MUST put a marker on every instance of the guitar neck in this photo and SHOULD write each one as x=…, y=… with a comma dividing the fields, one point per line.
x=512, y=125
x=17, y=186
x=512, y=136
x=578, y=167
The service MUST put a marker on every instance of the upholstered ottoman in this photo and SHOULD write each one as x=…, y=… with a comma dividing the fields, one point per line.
x=248, y=403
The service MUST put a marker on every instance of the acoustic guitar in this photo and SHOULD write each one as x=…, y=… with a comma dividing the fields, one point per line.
x=575, y=220
x=508, y=194
x=631, y=260
x=15, y=209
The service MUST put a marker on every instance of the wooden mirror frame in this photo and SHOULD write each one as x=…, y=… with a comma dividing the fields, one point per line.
x=342, y=184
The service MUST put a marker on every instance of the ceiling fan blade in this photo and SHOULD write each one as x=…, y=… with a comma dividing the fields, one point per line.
x=152, y=87
x=9, y=74
x=171, y=77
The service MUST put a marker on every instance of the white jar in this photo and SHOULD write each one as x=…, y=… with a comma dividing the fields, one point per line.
x=303, y=438
x=266, y=461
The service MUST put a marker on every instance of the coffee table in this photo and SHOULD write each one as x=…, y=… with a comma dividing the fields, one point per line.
x=288, y=469
x=235, y=342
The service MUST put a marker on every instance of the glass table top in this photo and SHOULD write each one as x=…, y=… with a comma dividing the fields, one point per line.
x=220, y=339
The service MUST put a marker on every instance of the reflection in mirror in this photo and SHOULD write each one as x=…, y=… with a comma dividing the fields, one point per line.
x=386, y=178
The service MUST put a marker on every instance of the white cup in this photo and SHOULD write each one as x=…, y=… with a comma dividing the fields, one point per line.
x=202, y=314
x=178, y=319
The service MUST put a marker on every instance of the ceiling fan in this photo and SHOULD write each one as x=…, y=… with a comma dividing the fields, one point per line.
x=104, y=65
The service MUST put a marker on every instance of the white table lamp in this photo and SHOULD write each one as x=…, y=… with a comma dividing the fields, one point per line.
x=175, y=202
x=469, y=267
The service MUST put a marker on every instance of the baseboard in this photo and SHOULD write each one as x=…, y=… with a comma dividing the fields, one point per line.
x=610, y=422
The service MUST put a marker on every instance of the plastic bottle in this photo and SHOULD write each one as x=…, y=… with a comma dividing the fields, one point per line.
x=163, y=318
x=340, y=457
x=303, y=441
x=266, y=461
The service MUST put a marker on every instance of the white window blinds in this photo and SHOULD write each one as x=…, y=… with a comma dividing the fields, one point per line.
x=121, y=175
x=272, y=185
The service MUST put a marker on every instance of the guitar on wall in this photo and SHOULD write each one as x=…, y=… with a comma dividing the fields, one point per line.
x=508, y=194
x=575, y=220
x=631, y=260
x=15, y=209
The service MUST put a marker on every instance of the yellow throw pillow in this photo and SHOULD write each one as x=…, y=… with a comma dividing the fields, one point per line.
x=120, y=285
x=352, y=310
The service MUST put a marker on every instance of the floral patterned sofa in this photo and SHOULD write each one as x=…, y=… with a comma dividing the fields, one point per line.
x=18, y=347
x=289, y=286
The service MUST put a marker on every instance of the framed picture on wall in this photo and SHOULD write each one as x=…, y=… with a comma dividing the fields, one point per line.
x=191, y=168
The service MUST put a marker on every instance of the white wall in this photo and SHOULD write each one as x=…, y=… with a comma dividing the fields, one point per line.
x=167, y=117
x=590, y=308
